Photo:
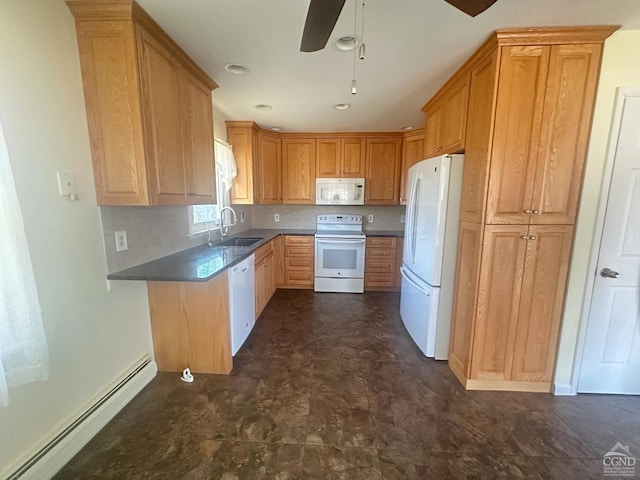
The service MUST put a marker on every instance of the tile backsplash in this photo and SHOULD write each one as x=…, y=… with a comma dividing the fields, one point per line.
x=304, y=216
x=153, y=232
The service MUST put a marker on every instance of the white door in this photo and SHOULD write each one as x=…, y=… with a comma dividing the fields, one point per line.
x=611, y=360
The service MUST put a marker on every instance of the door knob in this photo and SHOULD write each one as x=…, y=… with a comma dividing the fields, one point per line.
x=608, y=273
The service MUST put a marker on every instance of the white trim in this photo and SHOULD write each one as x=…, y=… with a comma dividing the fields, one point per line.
x=621, y=94
x=563, y=389
x=78, y=437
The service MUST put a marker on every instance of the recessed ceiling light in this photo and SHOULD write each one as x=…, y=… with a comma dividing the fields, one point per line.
x=346, y=43
x=342, y=106
x=236, y=68
x=408, y=127
x=276, y=129
x=263, y=107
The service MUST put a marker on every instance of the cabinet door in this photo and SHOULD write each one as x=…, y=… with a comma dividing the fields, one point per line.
x=382, y=171
x=412, y=153
x=501, y=272
x=465, y=295
x=298, y=165
x=454, y=116
x=543, y=287
x=197, y=132
x=433, y=123
x=269, y=276
x=114, y=115
x=518, y=120
x=571, y=87
x=161, y=86
x=242, y=142
x=269, y=170
x=328, y=157
x=482, y=98
x=353, y=158
x=279, y=259
x=259, y=276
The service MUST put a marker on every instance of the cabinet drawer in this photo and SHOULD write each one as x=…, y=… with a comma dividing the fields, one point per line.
x=262, y=252
x=379, y=265
x=380, y=253
x=378, y=279
x=298, y=263
x=298, y=278
x=389, y=242
x=298, y=251
x=298, y=240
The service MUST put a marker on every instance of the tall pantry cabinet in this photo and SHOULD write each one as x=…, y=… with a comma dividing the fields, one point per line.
x=531, y=96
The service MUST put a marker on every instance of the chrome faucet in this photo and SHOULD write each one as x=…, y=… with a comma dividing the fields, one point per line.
x=225, y=230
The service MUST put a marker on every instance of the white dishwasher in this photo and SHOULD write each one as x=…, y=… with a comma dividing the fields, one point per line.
x=242, y=301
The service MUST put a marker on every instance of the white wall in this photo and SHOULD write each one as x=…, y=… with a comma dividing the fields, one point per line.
x=620, y=67
x=94, y=336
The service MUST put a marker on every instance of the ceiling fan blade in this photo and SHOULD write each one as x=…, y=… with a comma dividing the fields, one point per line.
x=471, y=7
x=321, y=18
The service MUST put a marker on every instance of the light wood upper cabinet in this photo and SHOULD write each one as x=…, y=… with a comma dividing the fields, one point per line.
x=566, y=121
x=446, y=119
x=382, y=171
x=144, y=111
x=197, y=140
x=298, y=170
x=518, y=119
x=340, y=157
x=242, y=136
x=412, y=153
x=482, y=94
x=268, y=179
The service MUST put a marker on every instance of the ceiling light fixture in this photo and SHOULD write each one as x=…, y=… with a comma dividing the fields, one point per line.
x=346, y=43
x=236, y=68
x=342, y=106
x=263, y=107
x=408, y=127
x=276, y=129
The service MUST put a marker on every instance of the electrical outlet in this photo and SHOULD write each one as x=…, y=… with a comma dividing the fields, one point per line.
x=121, y=241
x=242, y=217
x=370, y=218
x=401, y=218
x=276, y=217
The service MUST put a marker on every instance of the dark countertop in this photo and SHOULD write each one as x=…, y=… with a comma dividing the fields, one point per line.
x=384, y=233
x=201, y=263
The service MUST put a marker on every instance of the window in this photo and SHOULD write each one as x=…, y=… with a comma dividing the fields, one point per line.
x=206, y=217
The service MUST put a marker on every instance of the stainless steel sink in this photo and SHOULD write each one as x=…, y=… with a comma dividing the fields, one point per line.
x=239, y=242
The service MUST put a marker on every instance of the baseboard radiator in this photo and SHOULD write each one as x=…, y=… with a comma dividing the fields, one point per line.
x=86, y=414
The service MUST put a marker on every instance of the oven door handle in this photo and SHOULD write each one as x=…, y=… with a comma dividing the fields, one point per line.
x=340, y=241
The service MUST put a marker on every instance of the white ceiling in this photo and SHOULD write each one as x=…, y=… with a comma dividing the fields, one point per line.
x=413, y=46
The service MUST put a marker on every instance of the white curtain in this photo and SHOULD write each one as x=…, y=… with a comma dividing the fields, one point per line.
x=24, y=356
x=225, y=171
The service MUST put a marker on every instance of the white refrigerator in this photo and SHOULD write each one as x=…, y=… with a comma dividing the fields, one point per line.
x=430, y=244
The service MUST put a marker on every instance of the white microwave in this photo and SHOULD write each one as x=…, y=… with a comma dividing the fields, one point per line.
x=339, y=191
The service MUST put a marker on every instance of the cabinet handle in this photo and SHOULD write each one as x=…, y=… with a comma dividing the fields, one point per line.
x=439, y=148
x=532, y=237
x=536, y=212
x=529, y=212
x=524, y=237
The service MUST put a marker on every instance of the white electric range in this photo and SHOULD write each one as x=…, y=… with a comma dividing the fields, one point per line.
x=339, y=253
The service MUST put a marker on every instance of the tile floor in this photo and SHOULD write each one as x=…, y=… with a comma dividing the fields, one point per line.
x=329, y=386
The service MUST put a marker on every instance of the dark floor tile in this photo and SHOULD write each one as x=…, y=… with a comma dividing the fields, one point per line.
x=341, y=419
x=402, y=465
x=335, y=463
x=278, y=416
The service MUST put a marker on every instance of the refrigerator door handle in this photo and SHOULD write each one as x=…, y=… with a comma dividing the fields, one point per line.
x=414, y=217
x=411, y=214
x=405, y=275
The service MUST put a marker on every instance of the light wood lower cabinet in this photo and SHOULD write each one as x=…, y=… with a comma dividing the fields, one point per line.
x=508, y=307
x=381, y=270
x=264, y=275
x=190, y=325
x=299, y=261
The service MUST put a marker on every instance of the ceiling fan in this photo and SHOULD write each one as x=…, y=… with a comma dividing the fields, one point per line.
x=323, y=15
